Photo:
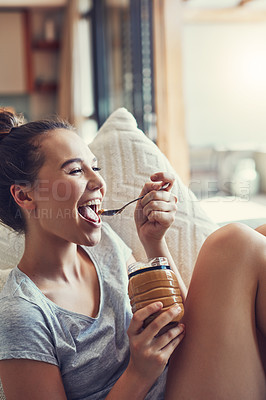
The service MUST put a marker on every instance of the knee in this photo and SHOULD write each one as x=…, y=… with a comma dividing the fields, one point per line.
x=232, y=242
x=229, y=234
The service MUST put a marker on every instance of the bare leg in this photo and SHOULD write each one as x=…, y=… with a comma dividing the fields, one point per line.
x=261, y=340
x=219, y=357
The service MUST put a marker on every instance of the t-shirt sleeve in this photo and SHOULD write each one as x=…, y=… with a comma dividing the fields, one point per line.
x=25, y=332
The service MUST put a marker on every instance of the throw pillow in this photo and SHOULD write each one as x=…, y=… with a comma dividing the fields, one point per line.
x=11, y=247
x=128, y=158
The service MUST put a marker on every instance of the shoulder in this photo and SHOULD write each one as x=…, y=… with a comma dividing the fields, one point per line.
x=26, y=328
x=12, y=285
x=25, y=332
x=17, y=308
x=22, y=321
x=18, y=285
x=20, y=299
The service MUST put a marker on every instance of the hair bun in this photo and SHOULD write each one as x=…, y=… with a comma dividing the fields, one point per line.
x=8, y=121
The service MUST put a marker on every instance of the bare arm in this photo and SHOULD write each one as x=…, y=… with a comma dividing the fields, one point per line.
x=34, y=380
x=129, y=386
x=30, y=380
x=154, y=215
x=149, y=354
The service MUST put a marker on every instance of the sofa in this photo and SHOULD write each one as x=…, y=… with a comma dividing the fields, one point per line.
x=127, y=158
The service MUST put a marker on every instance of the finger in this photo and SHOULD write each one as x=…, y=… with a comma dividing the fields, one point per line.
x=169, y=335
x=161, y=217
x=150, y=186
x=159, y=205
x=156, y=195
x=163, y=319
x=161, y=196
x=164, y=177
x=140, y=316
x=158, y=180
x=170, y=347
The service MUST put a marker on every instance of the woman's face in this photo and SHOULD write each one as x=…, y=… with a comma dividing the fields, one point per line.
x=69, y=190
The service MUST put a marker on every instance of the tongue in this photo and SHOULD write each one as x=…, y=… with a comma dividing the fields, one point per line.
x=88, y=213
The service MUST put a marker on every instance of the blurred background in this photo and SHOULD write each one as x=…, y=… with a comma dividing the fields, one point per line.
x=192, y=72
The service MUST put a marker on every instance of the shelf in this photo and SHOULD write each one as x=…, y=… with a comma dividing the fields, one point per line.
x=43, y=58
x=46, y=45
x=46, y=87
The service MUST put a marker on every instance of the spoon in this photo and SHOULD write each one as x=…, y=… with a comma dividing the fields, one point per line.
x=119, y=210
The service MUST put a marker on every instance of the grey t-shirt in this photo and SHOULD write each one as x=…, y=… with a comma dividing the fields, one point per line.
x=91, y=353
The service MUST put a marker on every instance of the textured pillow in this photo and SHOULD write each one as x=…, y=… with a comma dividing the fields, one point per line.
x=11, y=247
x=3, y=277
x=128, y=158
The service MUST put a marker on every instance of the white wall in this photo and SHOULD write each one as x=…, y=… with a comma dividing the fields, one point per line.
x=224, y=69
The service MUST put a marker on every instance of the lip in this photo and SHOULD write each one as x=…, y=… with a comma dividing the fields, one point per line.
x=95, y=224
x=84, y=203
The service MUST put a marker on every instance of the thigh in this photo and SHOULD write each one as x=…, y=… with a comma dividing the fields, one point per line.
x=262, y=349
x=219, y=357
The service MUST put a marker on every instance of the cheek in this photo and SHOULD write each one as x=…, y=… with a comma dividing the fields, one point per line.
x=103, y=189
x=63, y=191
x=44, y=191
x=58, y=191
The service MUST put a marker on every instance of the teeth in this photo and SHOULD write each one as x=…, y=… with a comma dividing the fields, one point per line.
x=95, y=202
x=91, y=203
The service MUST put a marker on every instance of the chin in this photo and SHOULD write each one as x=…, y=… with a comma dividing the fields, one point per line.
x=91, y=240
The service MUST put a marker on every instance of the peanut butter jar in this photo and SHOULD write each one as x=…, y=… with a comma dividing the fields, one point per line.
x=154, y=281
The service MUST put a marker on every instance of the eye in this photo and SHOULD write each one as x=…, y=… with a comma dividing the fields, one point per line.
x=96, y=169
x=76, y=171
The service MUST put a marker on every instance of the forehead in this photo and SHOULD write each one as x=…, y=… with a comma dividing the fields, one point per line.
x=63, y=144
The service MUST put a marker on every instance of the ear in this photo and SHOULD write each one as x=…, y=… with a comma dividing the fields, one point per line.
x=22, y=196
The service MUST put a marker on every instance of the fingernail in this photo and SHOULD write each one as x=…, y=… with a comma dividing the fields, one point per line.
x=177, y=308
x=182, y=326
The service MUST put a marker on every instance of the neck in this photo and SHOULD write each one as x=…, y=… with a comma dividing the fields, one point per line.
x=47, y=257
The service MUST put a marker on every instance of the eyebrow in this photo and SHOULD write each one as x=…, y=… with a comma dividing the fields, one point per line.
x=73, y=160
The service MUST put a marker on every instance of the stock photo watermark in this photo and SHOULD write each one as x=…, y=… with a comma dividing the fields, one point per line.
x=55, y=198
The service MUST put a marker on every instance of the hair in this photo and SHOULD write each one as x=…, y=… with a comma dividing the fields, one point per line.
x=20, y=160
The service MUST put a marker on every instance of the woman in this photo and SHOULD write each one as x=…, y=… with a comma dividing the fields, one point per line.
x=64, y=310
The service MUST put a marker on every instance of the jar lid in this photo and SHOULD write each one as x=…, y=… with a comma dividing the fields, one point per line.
x=135, y=267
x=158, y=261
x=153, y=264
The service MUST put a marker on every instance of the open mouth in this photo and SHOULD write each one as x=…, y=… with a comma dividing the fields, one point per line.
x=90, y=210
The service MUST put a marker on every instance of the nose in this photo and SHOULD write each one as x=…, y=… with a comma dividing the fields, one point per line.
x=96, y=182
